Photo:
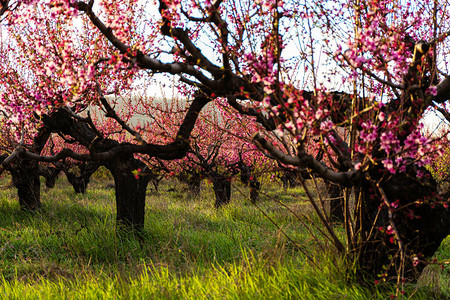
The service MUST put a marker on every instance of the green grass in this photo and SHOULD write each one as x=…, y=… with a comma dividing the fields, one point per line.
x=69, y=249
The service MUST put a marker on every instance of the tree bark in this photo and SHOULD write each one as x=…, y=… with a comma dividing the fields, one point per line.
x=193, y=179
x=222, y=190
x=420, y=217
x=50, y=173
x=248, y=178
x=80, y=181
x=25, y=177
x=254, y=192
x=25, y=173
x=130, y=188
x=288, y=179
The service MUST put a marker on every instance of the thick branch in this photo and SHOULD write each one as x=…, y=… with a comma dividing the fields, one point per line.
x=5, y=6
x=268, y=123
x=87, y=120
x=304, y=160
x=171, y=151
x=443, y=91
x=183, y=36
x=188, y=124
x=8, y=160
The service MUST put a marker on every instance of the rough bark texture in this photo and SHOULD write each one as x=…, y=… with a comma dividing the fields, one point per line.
x=193, y=179
x=222, y=190
x=80, y=179
x=130, y=190
x=25, y=177
x=248, y=178
x=50, y=173
x=25, y=173
x=419, y=217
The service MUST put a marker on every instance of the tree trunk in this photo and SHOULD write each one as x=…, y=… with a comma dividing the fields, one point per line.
x=255, y=186
x=25, y=176
x=254, y=193
x=222, y=190
x=288, y=179
x=50, y=174
x=249, y=179
x=194, y=187
x=420, y=217
x=80, y=181
x=193, y=180
x=130, y=187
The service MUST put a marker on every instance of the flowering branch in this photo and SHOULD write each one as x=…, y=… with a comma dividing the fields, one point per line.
x=304, y=160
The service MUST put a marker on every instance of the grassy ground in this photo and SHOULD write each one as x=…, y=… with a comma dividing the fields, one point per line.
x=70, y=250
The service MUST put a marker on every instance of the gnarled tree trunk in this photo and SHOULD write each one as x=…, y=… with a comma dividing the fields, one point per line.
x=50, y=173
x=416, y=213
x=248, y=178
x=222, y=190
x=193, y=179
x=25, y=177
x=254, y=191
x=25, y=173
x=130, y=187
x=288, y=179
x=80, y=181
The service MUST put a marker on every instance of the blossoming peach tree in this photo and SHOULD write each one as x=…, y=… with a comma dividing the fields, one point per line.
x=221, y=147
x=346, y=82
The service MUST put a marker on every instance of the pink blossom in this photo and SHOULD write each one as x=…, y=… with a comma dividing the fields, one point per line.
x=389, y=142
x=432, y=90
x=389, y=165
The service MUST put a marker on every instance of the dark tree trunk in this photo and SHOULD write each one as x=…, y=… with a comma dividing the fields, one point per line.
x=194, y=186
x=222, y=190
x=25, y=174
x=336, y=199
x=25, y=177
x=420, y=217
x=80, y=181
x=130, y=187
x=193, y=180
x=288, y=179
x=254, y=193
x=248, y=178
x=255, y=186
x=50, y=174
